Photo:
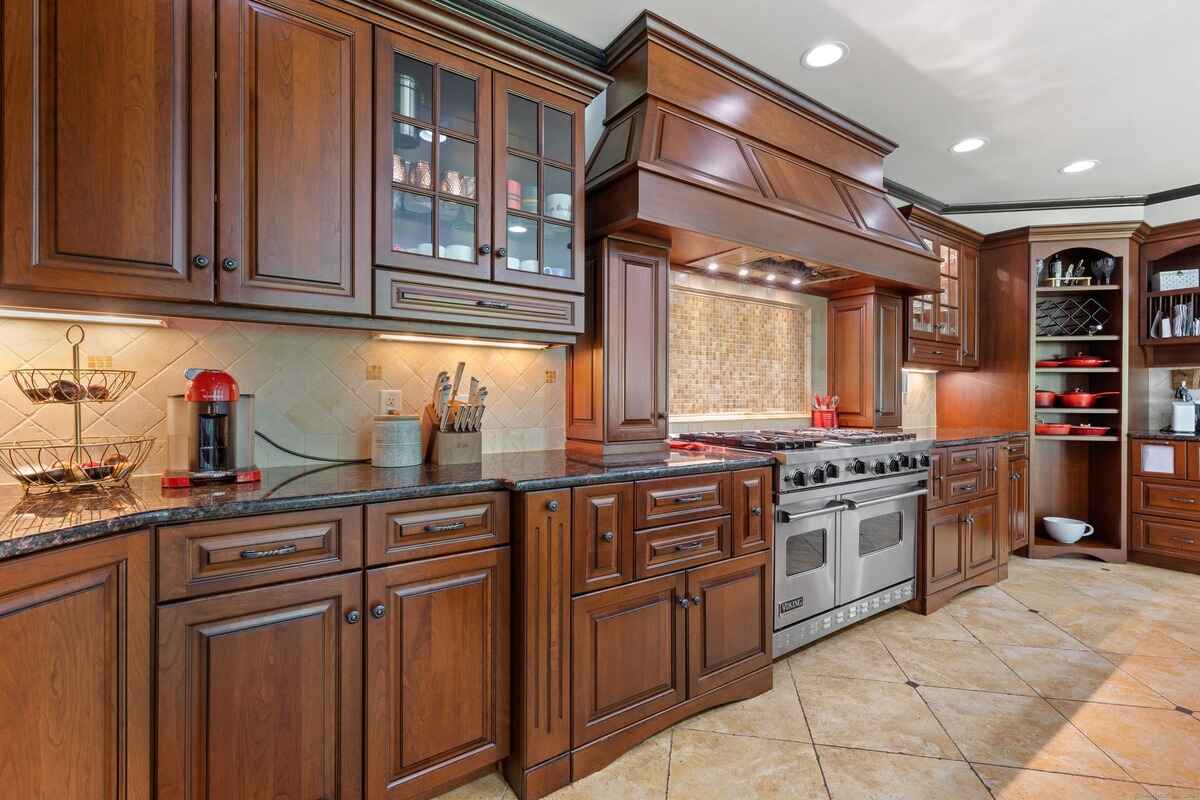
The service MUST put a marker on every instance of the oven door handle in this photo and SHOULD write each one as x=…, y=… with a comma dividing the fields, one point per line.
x=787, y=516
x=853, y=505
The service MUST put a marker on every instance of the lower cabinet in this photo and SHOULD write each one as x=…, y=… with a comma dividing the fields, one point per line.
x=945, y=558
x=260, y=693
x=75, y=672
x=729, y=621
x=1018, y=503
x=961, y=547
x=437, y=684
x=981, y=535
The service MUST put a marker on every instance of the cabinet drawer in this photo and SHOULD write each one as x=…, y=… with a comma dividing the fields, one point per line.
x=957, y=488
x=452, y=300
x=436, y=526
x=1153, y=458
x=689, y=544
x=667, y=500
x=601, y=536
x=1167, y=537
x=1018, y=447
x=960, y=460
x=1160, y=497
x=202, y=558
x=924, y=352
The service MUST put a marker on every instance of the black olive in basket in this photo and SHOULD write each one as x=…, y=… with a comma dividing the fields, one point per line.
x=66, y=391
x=37, y=394
x=97, y=391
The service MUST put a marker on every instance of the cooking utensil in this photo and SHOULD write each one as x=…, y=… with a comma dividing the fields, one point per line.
x=1067, y=530
x=1044, y=398
x=1052, y=428
x=1050, y=362
x=1078, y=398
x=1089, y=430
x=1084, y=360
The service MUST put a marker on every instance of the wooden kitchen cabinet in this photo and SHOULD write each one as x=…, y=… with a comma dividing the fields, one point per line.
x=865, y=341
x=981, y=535
x=602, y=539
x=729, y=621
x=437, y=668
x=945, y=559
x=75, y=672
x=1018, y=499
x=1164, y=494
x=108, y=143
x=260, y=692
x=753, y=522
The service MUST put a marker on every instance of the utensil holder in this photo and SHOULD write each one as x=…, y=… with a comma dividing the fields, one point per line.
x=824, y=418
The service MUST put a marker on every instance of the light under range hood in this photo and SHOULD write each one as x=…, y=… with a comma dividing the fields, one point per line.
x=706, y=152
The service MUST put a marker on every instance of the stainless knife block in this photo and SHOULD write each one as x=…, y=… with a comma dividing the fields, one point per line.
x=449, y=447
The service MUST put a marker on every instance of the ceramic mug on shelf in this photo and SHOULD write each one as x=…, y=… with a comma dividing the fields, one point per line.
x=558, y=205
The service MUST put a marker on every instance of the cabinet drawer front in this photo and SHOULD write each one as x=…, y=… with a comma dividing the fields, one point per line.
x=436, y=526
x=925, y=352
x=206, y=557
x=1155, y=458
x=602, y=536
x=753, y=521
x=668, y=500
x=1167, y=537
x=1018, y=447
x=441, y=299
x=962, y=487
x=1160, y=497
x=688, y=544
x=960, y=460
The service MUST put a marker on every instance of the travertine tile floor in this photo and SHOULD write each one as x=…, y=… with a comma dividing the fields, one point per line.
x=1072, y=679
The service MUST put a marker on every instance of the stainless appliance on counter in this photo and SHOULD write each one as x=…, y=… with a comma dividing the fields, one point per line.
x=847, y=502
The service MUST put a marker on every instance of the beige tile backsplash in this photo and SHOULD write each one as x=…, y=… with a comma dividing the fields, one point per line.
x=311, y=388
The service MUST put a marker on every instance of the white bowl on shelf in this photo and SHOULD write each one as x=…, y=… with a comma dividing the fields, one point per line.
x=1066, y=530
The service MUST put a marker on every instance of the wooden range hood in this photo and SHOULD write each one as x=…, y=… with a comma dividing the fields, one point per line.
x=706, y=152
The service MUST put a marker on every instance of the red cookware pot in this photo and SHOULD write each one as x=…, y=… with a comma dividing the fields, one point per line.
x=1089, y=430
x=1078, y=398
x=1052, y=428
x=1050, y=362
x=1044, y=398
x=1082, y=360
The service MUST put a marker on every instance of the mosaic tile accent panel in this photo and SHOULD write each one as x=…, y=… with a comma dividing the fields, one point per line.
x=311, y=386
x=733, y=355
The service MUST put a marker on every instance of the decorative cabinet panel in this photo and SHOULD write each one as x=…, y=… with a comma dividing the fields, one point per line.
x=75, y=668
x=602, y=546
x=260, y=693
x=866, y=341
x=108, y=145
x=295, y=159
x=981, y=536
x=437, y=671
x=729, y=621
x=945, y=559
x=433, y=138
x=1018, y=509
x=753, y=521
x=937, y=480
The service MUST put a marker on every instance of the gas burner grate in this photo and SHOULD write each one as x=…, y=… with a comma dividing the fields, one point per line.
x=798, y=439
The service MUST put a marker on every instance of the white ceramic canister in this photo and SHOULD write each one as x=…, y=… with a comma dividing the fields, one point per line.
x=396, y=441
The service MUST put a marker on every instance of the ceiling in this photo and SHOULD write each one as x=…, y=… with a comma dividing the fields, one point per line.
x=1046, y=82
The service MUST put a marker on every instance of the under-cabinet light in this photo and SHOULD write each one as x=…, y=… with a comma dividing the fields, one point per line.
x=920, y=371
x=713, y=267
x=796, y=281
x=771, y=277
x=72, y=316
x=743, y=272
x=408, y=337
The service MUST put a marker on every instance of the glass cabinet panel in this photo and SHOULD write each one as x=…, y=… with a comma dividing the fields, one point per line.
x=559, y=199
x=458, y=103
x=921, y=313
x=412, y=223
x=456, y=168
x=522, y=186
x=412, y=92
x=522, y=247
x=557, y=250
x=456, y=231
x=522, y=124
x=558, y=136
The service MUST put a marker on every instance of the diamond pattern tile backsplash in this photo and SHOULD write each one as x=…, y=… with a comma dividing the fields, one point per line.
x=310, y=385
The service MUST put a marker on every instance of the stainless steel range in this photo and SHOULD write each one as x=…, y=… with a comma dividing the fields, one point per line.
x=846, y=524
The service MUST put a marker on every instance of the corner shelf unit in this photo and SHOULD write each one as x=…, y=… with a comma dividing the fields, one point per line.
x=1082, y=477
x=1167, y=248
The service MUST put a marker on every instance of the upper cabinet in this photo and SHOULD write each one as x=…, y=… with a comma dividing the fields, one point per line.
x=108, y=143
x=942, y=328
x=294, y=121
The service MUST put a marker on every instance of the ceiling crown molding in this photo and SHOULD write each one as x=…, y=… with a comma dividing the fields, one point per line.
x=520, y=24
x=923, y=200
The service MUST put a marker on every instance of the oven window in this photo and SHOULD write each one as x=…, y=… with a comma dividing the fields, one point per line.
x=880, y=533
x=806, y=551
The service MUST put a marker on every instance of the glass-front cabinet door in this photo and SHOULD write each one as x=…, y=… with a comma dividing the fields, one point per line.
x=433, y=137
x=922, y=308
x=538, y=187
x=950, y=299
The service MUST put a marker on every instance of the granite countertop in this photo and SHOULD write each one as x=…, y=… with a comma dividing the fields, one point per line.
x=30, y=523
x=950, y=437
x=1168, y=435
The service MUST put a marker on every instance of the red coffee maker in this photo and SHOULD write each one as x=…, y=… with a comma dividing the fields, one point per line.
x=210, y=432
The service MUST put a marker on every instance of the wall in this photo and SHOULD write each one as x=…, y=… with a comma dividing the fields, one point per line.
x=312, y=388
x=920, y=399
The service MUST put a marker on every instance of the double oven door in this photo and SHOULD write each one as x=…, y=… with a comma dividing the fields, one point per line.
x=834, y=547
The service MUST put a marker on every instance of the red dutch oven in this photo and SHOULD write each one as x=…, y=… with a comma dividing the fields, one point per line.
x=1044, y=398
x=1078, y=398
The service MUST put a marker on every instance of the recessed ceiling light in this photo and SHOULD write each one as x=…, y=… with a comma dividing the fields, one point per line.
x=968, y=145
x=743, y=272
x=771, y=277
x=824, y=54
x=713, y=267
x=795, y=281
x=1083, y=165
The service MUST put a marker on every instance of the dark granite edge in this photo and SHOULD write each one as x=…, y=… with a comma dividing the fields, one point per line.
x=634, y=472
x=982, y=439
x=1169, y=436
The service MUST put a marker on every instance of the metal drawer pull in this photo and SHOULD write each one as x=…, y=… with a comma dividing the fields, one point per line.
x=449, y=526
x=1188, y=500
x=852, y=504
x=496, y=304
x=787, y=516
x=285, y=550
x=607, y=536
x=689, y=546
x=1183, y=539
x=688, y=498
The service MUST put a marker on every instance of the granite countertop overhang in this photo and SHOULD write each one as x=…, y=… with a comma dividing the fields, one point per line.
x=953, y=437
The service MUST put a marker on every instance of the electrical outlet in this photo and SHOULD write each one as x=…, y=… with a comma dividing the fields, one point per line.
x=99, y=362
x=551, y=376
x=390, y=401
x=374, y=372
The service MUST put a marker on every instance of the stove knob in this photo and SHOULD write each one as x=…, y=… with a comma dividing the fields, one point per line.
x=818, y=475
x=894, y=464
x=799, y=478
x=831, y=470
x=878, y=467
x=924, y=459
x=907, y=461
x=859, y=467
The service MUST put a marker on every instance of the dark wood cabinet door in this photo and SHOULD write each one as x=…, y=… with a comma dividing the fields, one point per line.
x=945, y=557
x=729, y=621
x=889, y=358
x=1018, y=503
x=982, y=535
x=260, y=693
x=433, y=151
x=437, y=699
x=851, y=357
x=629, y=657
x=922, y=316
x=753, y=521
x=602, y=541
x=107, y=147
x=969, y=283
x=635, y=303
x=538, y=162
x=294, y=122
x=949, y=301
x=75, y=672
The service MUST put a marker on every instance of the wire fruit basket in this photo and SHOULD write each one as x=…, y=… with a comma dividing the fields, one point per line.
x=55, y=464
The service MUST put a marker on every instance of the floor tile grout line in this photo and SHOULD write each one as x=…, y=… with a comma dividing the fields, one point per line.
x=985, y=647
x=808, y=727
x=941, y=725
x=1088, y=738
x=670, y=753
